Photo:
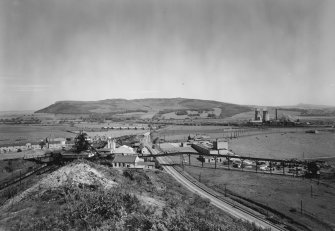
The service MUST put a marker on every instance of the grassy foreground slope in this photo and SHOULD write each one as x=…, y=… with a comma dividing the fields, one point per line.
x=88, y=196
x=158, y=105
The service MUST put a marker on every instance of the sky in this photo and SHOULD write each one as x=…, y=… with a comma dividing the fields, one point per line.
x=256, y=52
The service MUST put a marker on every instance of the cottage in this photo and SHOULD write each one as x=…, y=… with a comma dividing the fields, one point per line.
x=126, y=161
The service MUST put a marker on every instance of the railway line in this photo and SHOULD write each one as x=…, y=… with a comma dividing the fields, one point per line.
x=219, y=201
x=223, y=199
x=40, y=170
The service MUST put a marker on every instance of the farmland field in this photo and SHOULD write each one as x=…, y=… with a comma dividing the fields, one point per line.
x=280, y=143
x=283, y=194
x=192, y=114
x=286, y=145
x=21, y=134
x=179, y=132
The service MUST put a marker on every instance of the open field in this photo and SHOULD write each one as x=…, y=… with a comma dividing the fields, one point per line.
x=286, y=145
x=283, y=194
x=279, y=143
x=180, y=132
x=192, y=114
x=21, y=134
x=9, y=114
x=317, y=118
x=16, y=134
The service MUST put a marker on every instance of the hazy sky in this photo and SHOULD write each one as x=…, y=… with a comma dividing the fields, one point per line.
x=266, y=52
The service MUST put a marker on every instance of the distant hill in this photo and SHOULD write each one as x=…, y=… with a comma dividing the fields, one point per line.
x=311, y=109
x=309, y=106
x=157, y=105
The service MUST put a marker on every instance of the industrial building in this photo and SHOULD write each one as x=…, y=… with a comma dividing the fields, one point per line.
x=261, y=117
x=258, y=115
x=266, y=116
x=219, y=147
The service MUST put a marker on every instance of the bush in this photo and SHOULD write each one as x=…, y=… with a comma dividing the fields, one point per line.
x=10, y=192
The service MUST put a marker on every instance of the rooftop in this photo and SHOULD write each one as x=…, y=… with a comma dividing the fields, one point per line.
x=124, y=149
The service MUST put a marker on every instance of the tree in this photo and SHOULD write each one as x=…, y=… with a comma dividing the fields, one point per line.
x=42, y=144
x=81, y=143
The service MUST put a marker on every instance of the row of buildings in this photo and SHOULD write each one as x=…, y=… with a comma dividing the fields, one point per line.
x=124, y=128
x=56, y=144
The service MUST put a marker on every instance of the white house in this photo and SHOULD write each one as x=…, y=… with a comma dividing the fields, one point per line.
x=126, y=161
x=131, y=161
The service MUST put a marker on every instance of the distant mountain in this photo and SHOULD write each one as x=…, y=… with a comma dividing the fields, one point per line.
x=157, y=105
x=7, y=113
x=309, y=106
x=310, y=109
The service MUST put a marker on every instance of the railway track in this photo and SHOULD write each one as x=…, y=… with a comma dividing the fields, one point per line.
x=43, y=169
x=236, y=206
x=222, y=198
x=38, y=171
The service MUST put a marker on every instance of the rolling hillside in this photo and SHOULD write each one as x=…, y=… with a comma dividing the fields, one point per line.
x=157, y=105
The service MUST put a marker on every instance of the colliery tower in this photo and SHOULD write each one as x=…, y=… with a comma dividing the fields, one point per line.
x=261, y=116
x=266, y=116
x=258, y=114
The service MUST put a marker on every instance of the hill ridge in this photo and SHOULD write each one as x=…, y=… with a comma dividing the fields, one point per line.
x=157, y=105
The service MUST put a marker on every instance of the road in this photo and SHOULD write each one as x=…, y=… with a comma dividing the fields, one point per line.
x=236, y=212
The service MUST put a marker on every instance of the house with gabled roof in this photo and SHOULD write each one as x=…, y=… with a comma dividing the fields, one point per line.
x=126, y=161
